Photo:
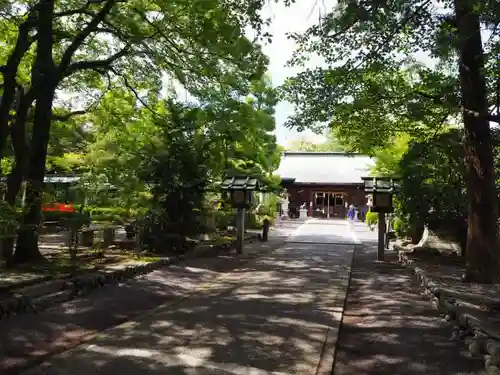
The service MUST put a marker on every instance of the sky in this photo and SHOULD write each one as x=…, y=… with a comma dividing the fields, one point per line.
x=295, y=18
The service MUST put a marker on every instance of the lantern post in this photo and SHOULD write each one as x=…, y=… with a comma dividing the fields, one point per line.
x=382, y=190
x=239, y=191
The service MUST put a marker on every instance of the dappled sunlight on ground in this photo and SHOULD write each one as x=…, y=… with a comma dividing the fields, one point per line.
x=25, y=339
x=389, y=328
x=269, y=317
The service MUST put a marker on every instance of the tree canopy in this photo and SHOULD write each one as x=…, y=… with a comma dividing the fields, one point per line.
x=86, y=87
x=330, y=144
x=373, y=88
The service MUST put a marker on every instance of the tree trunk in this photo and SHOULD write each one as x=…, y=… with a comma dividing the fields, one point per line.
x=9, y=80
x=45, y=83
x=27, y=243
x=20, y=146
x=16, y=177
x=482, y=260
x=14, y=183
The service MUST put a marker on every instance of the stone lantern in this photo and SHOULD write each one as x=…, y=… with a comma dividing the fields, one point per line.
x=239, y=191
x=382, y=190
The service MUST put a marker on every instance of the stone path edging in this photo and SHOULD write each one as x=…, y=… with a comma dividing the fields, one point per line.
x=62, y=290
x=468, y=323
x=328, y=354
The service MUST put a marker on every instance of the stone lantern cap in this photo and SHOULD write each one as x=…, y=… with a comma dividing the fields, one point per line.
x=381, y=184
x=240, y=183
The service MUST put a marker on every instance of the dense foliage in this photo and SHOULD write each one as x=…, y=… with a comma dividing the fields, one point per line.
x=329, y=145
x=433, y=189
x=372, y=89
x=91, y=88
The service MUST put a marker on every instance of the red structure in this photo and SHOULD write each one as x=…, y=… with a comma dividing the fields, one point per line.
x=58, y=207
x=325, y=182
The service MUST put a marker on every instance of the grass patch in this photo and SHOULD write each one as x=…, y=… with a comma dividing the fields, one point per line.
x=59, y=264
x=224, y=239
x=147, y=258
x=55, y=268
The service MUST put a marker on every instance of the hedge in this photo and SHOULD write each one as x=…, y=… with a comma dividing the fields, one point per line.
x=225, y=218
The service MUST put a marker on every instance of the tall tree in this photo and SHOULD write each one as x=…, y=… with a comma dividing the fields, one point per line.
x=331, y=144
x=237, y=135
x=81, y=46
x=240, y=129
x=374, y=88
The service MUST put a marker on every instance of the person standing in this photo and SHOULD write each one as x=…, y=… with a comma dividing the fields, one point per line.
x=350, y=213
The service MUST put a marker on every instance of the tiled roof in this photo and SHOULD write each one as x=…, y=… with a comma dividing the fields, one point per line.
x=324, y=167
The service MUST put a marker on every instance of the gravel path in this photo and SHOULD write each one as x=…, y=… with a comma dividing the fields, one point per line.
x=27, y=340
x=388, y=328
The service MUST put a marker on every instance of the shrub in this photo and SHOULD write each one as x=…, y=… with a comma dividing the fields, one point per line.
x=433, y=185
x=9, y=220
x=65, y=216
x=256, y=221
x=371, y=219
x=252, y=221
x=262, y=218
x=225, y=218
x=108, y=214
x=103, y=211
x=401, y=228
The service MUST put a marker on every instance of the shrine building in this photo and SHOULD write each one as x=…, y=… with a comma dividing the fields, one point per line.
x=325, y=182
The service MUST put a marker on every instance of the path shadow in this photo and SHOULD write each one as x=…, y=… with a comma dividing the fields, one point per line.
x=389, y=328
x=30, y=338
x=270, y=316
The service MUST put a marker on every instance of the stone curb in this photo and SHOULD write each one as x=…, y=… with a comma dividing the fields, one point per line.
x=467, y=323
x=84, y=284
x=329, y=353
x=23, y=284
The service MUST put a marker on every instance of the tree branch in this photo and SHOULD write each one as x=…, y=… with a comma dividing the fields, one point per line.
x=67, y=116
x=134, y=91
x=408, y=17
x=437, y=100
x=494, y=118
x=72, y=12
x=9, y=73
x=82, y=35
x=174, y=47
x=98, y=65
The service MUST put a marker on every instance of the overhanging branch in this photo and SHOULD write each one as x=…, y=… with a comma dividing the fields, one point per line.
x=71, y=12
x=134, y=92
x=494, y=118
x=444, y=100
x=67, y=116
x=98, y=65
x=82, y=35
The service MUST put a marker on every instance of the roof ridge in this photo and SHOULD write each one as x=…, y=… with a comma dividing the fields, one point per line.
x=324, y=167
x=324, y=153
